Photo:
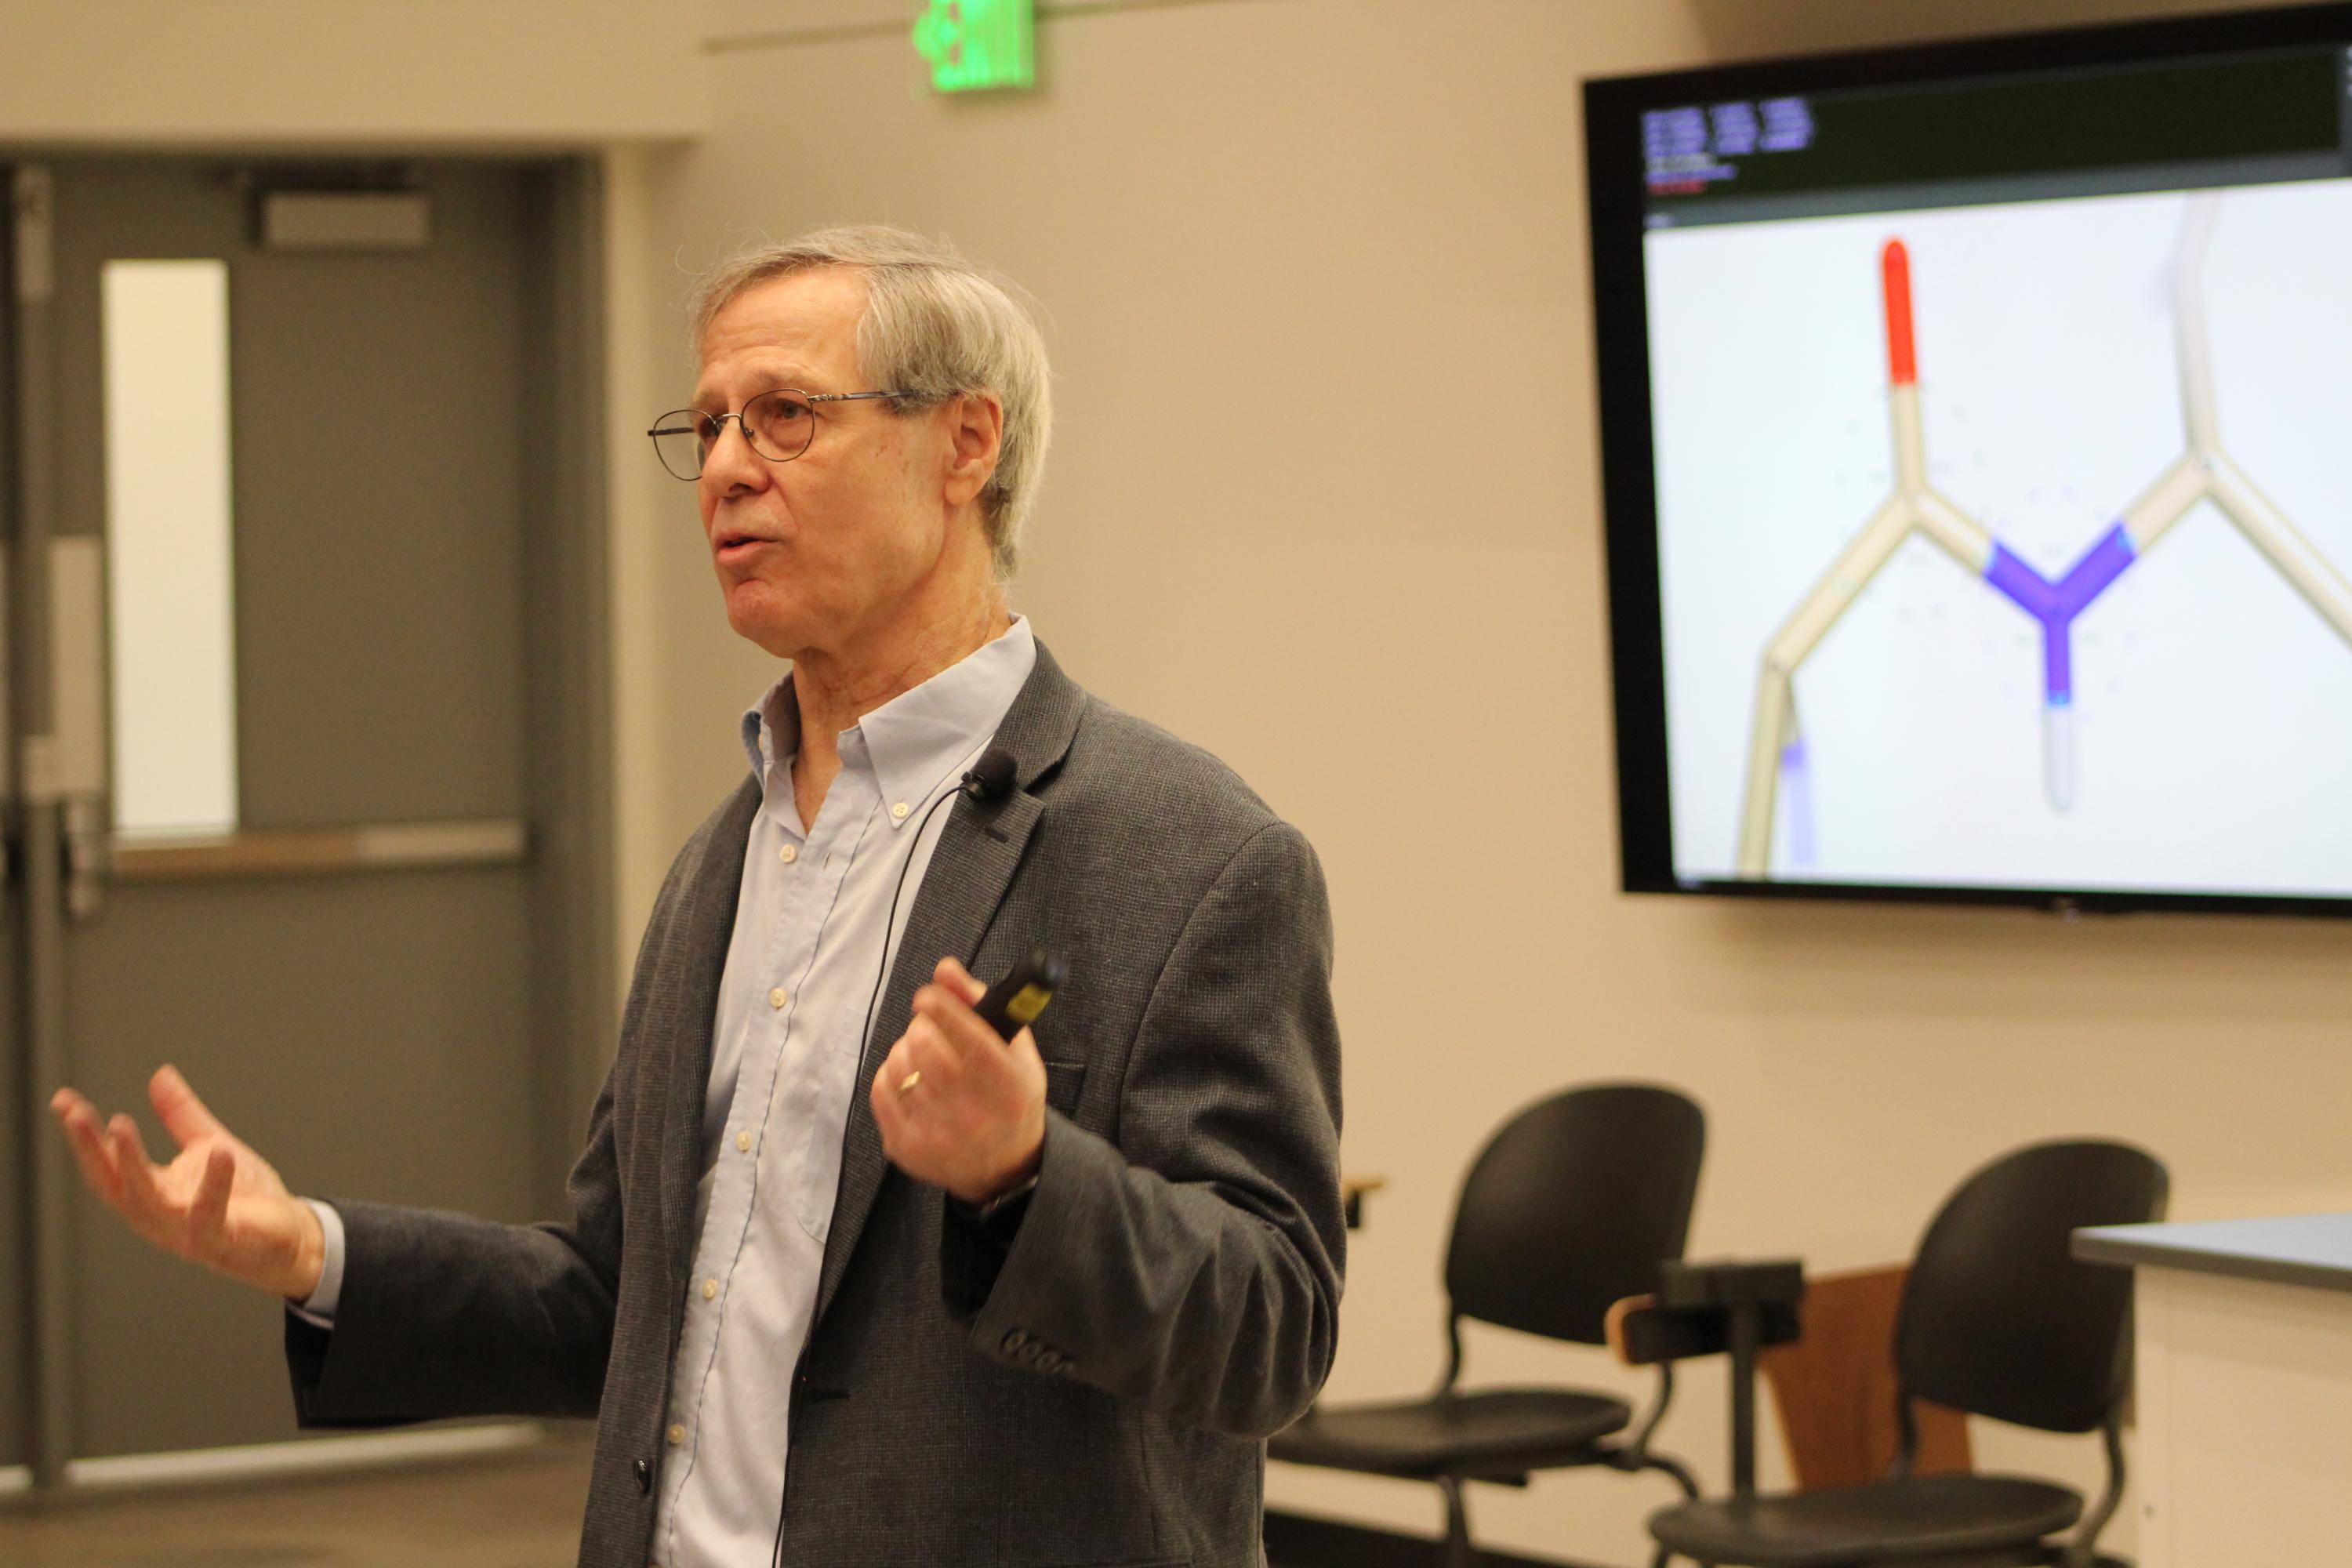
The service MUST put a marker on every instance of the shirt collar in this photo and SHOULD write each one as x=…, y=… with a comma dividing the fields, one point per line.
x=918, y=736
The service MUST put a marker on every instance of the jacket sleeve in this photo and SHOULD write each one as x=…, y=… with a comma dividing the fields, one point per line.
x=443, y=1314
x=1194, y=1266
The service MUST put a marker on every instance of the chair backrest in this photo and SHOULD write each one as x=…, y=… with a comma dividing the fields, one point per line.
x=1998, y=1317
x=1571, y=1205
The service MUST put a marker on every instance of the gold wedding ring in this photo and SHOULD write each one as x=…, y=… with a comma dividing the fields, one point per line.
x=907, y=1084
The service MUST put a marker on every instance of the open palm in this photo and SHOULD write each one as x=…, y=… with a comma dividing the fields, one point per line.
x=217, y=1203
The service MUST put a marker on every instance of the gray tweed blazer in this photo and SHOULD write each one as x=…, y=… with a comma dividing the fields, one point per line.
x=1095, y=1388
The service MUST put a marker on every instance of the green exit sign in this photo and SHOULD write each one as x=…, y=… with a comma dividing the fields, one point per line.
x=974, y=44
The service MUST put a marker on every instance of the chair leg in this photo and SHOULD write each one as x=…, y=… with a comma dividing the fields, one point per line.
x=1674, y=1467
x=1459, y=1553
x=1663, y=1558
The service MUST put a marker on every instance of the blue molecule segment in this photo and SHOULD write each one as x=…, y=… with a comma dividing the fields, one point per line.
x=2056, y=605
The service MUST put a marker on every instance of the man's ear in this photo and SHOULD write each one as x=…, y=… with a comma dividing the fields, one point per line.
x=975, y=428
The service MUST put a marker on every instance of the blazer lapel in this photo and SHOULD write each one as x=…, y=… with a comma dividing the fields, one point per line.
x=971, y=868
x=695, y=957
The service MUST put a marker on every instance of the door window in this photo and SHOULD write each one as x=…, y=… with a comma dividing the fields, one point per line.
x=171, y=615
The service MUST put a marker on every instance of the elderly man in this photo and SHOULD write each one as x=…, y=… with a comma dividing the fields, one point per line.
x=851, y=1279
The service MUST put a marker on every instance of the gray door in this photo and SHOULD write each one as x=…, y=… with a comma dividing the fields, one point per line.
x=381, y=975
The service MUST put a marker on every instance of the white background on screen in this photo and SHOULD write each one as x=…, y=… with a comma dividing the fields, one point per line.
x=2213, y=708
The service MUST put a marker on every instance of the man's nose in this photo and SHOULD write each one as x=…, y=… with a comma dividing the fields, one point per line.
x=730, y=465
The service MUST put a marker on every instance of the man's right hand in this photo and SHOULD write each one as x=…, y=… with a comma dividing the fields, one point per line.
x=218, y=1203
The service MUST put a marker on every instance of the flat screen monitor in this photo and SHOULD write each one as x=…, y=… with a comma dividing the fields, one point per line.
x=1976, y=443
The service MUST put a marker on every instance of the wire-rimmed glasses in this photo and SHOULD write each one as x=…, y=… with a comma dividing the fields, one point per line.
x=779, y=424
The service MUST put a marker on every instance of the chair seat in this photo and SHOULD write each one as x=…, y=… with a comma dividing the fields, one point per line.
x=1840, y=1527
x=1490, y=1431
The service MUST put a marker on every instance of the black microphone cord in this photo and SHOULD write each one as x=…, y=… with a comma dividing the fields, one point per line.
x=990, y=776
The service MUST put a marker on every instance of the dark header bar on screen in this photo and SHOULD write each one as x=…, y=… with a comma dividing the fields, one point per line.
x=2281, y=114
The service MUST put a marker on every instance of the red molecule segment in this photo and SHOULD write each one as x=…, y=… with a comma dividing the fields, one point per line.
x=1895, y=263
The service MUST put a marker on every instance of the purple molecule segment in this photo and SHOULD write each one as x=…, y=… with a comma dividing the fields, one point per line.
x=2056, y=605
x=1797, y=793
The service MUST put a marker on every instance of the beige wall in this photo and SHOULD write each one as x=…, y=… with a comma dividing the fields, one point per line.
x=1324, y=498
x=395, y=73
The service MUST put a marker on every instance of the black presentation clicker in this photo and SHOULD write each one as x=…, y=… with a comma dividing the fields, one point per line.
x=1014, y=1002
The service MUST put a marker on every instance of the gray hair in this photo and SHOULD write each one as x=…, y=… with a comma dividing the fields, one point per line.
x=935, y=326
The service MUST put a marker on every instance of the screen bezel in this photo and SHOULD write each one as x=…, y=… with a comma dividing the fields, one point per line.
x=1615, y=191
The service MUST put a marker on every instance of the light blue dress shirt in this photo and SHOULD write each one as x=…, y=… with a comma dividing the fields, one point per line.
x=810, y=939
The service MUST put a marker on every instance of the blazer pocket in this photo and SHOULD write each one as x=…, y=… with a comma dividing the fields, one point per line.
x=1064, y=1083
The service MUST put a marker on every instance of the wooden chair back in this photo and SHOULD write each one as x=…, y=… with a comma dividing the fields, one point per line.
x=1835, y=1387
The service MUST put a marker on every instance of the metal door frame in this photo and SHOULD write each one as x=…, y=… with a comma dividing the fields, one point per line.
x=18, y=282
x=569, y=786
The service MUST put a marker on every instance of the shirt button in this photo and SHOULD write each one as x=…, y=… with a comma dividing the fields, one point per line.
x=788, y=854
x=744, y=1141
x=898, y=810
x=677, y=1436
x=778, y=997
x=711, y=1290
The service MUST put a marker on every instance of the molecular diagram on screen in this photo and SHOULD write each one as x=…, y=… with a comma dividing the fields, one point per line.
x=1778, y=772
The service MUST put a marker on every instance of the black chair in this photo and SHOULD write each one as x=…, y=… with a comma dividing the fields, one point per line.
x=1569, y=1207
x=1997, y=1319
